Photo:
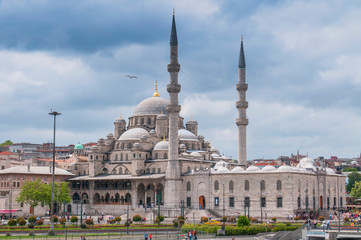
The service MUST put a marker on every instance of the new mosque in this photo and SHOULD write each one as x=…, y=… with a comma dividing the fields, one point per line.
x=155, y=158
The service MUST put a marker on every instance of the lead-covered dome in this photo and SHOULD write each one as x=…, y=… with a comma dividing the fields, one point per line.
x=134, y=134
x=186, y=135
x=308, y=163
x=151, y=106
x=268, y=168
x=163, y=145
x=79, y=147
x=252, y=169
x=237, y=169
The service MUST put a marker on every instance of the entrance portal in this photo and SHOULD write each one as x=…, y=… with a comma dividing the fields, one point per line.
x=202, y=202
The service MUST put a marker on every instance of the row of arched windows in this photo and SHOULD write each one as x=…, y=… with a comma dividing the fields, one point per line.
x=246, y=185
x=165, y=156
x=139, y=120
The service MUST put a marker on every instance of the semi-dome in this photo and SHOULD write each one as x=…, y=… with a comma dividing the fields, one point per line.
x=237, y=169
x=79, y=147
x=196, y=154
x=268, y=168
x=215, y=155
x=134, y=134
x=151, y=106
x=252, y=169
x=186, y=135
x=163, y=145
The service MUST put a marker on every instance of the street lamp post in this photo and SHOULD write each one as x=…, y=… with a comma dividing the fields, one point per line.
x=261, y=204
x=127, y=184
x=10, y=196
x=53, y=113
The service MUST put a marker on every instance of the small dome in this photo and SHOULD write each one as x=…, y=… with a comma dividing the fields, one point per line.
x=110, y=135
x=285, y=168
x=237, y=169
x=330, y=171
x=163, y=145
x=221, y=164
x=78, y=147
x=308, y=163
x=223, y=170
x=354, y=163
x=120, y=119
x=161, y=116
x=196, y=154
x=134, y=134
x=252, y=169
x=186, y=135
x=215, y=155
x=185, y=154
x=151, y=106
x=191, y=121
x=182, y=146
x=152, y=131
x=268, y=168
x=136, y=145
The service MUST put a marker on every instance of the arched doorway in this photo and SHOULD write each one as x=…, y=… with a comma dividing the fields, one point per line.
x=321, y=202
x=202, y=202
x=141, y=194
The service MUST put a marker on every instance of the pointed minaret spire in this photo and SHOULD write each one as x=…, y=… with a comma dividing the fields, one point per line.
x=242, y=105
x=173, y=34
x=241, y=61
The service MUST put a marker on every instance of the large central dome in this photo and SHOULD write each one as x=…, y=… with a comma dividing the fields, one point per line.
x=151, y=106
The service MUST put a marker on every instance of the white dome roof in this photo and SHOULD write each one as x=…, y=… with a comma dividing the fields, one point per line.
x=252, y=169
x=308, y=163
x=285, y=168
x=182, y=146
x=215, y=155
x=354, y=163
x=268, y=168
x=163, y=145
x=237, y=169
x=220, y=164
x=299, y=169
x=134, y=134
x=151, y=106
x=186, y=135
x=222, y=170
x=213, y=170
x=330, y=171
x=196, y=154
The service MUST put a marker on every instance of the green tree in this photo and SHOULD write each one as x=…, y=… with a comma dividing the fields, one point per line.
x=6, y=143
x=243, y=221
x=352, y=179
x=30, y=193
x=356, y=190
x=349, y=169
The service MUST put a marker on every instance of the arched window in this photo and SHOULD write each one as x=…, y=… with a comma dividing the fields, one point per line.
x=156, y=155
x=149, y=121
x=142, y=121
x=91, y=157
x=165, y=156
x=188, y=169
x=279, y=185
x=120, y=171
x=122, y=146
x=188, y=186
x=263, y=185
x=130, y=145
x=158, y=170
x=153, y=171
x=246, y=185
x=126, y=157
x=96, y=157
x=216, y=185
x=105, y=171
x=231, y=185
x=126, y=171
x=114, y=172
x=121, y=157
x=96, y=198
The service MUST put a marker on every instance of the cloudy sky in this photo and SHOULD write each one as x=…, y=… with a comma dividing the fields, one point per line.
x=303, y=70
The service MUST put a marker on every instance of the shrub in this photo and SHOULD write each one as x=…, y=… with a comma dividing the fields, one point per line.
x=161, y=218
x=22, y=222
x=112, y=221
x=243, y=221
x=274, y=219
x=346, y=219
x=296, y=218
x=31, y=225
x=83, y=225
x=31, y=234
x=55, y=219
x=32, y=219
x=181, y=222
x=118, y=219
x=180, y=217
x=232, y=219
x=175, y=223
x=157, y=221
x=253, y=219
x=8, y=234
x=18, y=219
x=51, y=233
x=137, y=218
x=224, y=219
x=74, y=219
x=279, y=227
x=127, y=224
x=89, y=221
x=204, y=219
x=62, y=221
x=321, y=218
x=12, y=222
x=40, y=222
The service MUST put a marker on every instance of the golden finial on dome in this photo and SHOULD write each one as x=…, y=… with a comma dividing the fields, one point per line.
x=210, y=143
x=120, y=116
x=163, y=138
x=155, y=94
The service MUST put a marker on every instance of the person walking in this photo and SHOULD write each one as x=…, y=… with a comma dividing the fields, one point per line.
x=190, y=235
x=150, y=236
x=145, y=236
x=195, y=235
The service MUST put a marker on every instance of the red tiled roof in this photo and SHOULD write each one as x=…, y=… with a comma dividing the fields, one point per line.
x=6, y=153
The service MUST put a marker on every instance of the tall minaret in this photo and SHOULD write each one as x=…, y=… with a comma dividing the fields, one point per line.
x=173, y=173
x=242, y=106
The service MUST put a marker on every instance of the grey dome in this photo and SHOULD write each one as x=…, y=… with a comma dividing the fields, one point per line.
x=134, y=134
x=151, y=106
x=163, y=145
x=186, y=135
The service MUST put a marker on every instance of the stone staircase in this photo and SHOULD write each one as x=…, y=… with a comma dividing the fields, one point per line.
x=194, y=215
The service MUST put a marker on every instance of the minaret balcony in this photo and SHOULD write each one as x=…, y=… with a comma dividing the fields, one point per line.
x=242, y=86
x=173, y=67
x=242, y=121
x=173, y=88
x=241, y=104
